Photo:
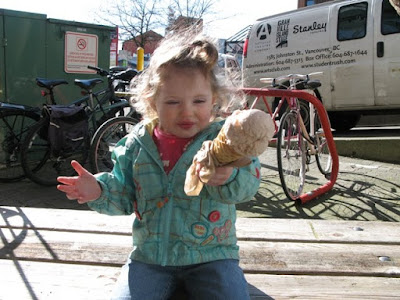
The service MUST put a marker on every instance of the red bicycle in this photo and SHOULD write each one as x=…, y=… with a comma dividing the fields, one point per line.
x=297, y=141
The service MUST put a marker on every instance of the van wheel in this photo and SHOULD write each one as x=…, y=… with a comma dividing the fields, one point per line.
x=343, y=121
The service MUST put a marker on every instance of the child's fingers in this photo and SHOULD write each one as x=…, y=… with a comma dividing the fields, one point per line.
x=67, y=180
x=69, y=191
x=65, y=188
x=79, y=169
x=220, y=176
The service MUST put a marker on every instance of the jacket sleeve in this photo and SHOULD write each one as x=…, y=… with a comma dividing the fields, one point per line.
x=117, y=186
x=240, y=187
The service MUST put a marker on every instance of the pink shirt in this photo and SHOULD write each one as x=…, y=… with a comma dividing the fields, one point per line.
x=170, y=147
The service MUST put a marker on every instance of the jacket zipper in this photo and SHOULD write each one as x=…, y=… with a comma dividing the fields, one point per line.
x=167, y=219
x=167, y=226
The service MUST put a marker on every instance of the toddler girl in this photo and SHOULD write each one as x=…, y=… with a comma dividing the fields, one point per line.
x=178, y=240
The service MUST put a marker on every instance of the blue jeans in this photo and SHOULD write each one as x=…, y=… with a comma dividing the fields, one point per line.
x=221, y=279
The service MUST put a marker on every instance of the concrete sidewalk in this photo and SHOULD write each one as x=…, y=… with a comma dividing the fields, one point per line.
x=372, y=143
x=365, y=190
x=386, y=149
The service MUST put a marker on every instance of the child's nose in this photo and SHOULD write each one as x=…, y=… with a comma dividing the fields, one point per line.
x=187, y=109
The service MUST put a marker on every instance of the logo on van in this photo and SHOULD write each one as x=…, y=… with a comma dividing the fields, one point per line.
x=263, y=31
x=282, y=33
x=313, y=28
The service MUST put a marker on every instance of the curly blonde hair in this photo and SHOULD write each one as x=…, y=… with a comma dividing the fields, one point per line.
x=183, y=50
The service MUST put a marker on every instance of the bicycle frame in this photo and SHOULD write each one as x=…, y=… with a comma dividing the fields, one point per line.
x=323, y=116
x=96, y=104
x=293, y=105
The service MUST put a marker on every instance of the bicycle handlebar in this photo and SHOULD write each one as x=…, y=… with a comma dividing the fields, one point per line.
x=127, y=74
x=274, y=82
x=99, y=71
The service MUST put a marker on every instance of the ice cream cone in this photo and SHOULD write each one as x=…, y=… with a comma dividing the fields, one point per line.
x=223, y=153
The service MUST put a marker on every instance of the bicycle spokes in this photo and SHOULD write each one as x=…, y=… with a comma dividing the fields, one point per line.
x=291, y=158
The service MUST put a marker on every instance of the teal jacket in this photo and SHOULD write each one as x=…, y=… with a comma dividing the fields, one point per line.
x=175, y=229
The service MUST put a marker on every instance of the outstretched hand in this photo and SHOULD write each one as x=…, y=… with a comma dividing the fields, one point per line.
x=83, y=188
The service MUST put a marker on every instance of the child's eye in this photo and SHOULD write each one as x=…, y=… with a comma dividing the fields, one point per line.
x=199, y=100
x=171, y=102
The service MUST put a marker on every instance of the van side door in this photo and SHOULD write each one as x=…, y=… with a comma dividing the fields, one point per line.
x=387, y=54
x=351, y=59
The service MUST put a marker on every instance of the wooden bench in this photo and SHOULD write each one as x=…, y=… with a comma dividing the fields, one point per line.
x=58, y=254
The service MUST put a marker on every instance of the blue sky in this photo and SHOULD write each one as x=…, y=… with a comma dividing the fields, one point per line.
x=231, y=17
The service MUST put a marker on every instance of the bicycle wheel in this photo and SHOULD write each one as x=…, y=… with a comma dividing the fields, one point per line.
x=104, y=141
x=14, y=125
x=323, y=155
x=291, y=155
x=40, y=164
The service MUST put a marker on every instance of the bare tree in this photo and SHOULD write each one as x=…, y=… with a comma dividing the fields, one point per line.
x=137, y=17
x=134, y=18
x=188, y=12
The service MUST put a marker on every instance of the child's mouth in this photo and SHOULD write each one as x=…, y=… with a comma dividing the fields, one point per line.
x=186, y=125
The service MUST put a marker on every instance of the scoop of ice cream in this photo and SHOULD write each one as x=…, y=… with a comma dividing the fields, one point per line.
x=244, y=133
x=249, y=131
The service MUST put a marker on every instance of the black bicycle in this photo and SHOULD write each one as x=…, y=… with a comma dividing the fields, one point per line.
x=40, y=162
x=15, y=122
x=105, y=140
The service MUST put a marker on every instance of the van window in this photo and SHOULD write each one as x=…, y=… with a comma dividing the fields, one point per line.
x=352, y=21
x=390, y=22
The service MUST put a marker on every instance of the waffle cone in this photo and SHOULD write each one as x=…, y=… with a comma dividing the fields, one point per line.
x=223, y=152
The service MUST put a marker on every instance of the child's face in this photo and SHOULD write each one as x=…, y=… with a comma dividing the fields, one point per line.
x=184, y=102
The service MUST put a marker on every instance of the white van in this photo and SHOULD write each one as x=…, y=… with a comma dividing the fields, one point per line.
x=355, y=43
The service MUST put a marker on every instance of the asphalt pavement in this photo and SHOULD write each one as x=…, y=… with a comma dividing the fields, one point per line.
x=364, y=190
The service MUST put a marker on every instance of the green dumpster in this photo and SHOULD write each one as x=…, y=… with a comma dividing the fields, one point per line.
x=34, y=46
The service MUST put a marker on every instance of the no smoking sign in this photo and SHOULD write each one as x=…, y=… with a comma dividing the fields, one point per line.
x=81, y=50
x=81, y=44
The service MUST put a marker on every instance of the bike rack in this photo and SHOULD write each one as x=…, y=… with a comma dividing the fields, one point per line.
x=323, y=116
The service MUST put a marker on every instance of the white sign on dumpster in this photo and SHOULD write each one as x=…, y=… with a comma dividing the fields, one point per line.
x=80, y=51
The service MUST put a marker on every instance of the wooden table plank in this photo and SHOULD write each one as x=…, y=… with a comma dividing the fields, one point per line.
x=319, y=258
x=318, y=230
x=72, y=247
x=42, y=280
x=247, y=228
x=64, y=220
x=279, y=287
x=44, y=252
x=256, y=257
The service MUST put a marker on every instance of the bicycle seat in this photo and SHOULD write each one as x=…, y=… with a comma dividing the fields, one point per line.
x=126, y=75
x=14, y=106
x=49, y=83
x=309, y=85
x=87, y=84
x=313, y=84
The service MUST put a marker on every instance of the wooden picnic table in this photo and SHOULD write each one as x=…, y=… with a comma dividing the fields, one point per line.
x=71, y=254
